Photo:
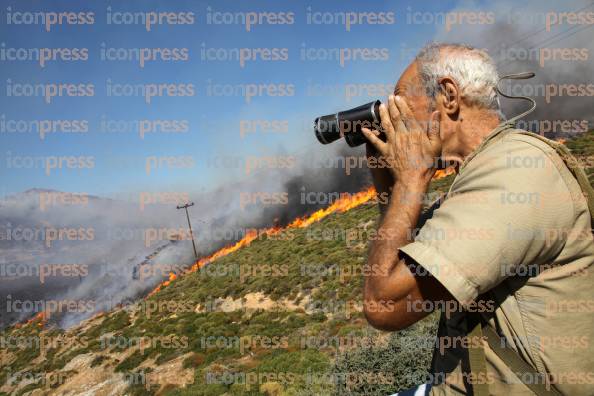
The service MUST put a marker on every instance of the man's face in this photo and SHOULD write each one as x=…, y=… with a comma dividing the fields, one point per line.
x=409, y=86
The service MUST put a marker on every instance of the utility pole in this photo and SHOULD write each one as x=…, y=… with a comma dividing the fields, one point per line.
x=189, y=225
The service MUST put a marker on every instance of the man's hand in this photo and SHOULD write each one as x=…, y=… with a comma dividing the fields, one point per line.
x=382, y=178
x=411, y=151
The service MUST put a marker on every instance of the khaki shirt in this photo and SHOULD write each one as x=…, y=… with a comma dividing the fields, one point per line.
x=514, y=227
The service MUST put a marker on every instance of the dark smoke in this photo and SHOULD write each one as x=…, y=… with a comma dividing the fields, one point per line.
x=517, y=48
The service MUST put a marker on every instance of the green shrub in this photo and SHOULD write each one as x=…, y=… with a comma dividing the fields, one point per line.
x=381, y=367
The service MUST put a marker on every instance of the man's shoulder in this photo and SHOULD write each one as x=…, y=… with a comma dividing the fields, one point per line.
x=514, y=157
x=521, y=166
x=517, y=142
x=528, y=141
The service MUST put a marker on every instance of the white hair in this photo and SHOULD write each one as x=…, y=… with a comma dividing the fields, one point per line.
x=473, y=70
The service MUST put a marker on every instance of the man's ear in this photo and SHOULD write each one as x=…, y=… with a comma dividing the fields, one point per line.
x=449, y=95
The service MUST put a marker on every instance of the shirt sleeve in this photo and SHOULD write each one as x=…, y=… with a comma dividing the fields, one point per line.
x=507, y=208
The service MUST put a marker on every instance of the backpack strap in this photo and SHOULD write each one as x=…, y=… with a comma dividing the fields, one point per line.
x=476, y=355
x=499, y=345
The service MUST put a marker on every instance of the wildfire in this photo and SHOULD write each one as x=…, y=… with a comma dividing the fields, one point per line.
x=441, y=173
x=172, y=277
x=345, y=203
x=38, y=319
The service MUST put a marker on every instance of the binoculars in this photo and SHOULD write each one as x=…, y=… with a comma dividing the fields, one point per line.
x=348, y=124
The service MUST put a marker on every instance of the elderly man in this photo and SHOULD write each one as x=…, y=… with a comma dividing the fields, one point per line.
x=510, y=243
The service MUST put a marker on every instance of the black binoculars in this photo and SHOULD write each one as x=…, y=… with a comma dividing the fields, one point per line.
x=348, y=124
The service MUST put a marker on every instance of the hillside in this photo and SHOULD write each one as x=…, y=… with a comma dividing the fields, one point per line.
x=279, y=316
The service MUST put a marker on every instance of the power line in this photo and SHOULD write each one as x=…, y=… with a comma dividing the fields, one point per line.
x=544, y=28
x=573, y=31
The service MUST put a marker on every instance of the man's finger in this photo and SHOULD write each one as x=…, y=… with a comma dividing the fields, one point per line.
x=395, y=115
x=406, y=114
x=433, y=131
x=387, y=123
x=374, y=140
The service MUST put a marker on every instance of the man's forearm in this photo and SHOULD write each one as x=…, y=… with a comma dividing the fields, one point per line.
x=409, y=150
x=399, y=219
x=383, y=203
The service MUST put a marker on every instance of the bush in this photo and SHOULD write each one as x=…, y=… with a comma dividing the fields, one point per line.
x=387, y=367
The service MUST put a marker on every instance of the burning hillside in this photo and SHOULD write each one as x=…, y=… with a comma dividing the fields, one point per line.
x=344, y=203
x=301, y=291
x=124, y=344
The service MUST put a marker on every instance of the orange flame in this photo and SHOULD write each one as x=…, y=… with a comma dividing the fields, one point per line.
x=39, y=318
x=441, y=173
x=344, y=203
x=163, y=284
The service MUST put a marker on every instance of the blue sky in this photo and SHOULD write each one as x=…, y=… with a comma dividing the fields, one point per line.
x=213, y=122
